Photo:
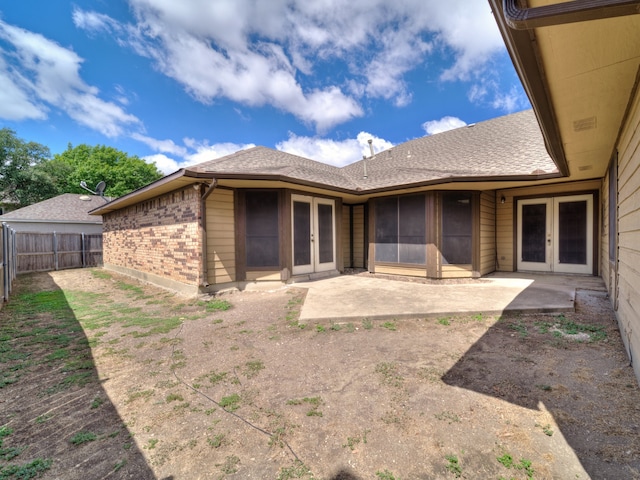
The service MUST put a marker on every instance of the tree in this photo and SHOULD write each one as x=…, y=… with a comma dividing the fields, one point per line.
x=22, y=180
x=122, y=173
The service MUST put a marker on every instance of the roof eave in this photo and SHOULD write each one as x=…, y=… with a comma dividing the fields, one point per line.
x=461, y=179
x=525, y=58
x=147, y=191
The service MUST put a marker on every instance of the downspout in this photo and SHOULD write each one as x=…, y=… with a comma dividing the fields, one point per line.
x=566, y=12
x=204, y=280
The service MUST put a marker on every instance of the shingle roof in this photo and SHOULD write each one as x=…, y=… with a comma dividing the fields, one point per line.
x=266, y=161
x=503, y=147
x=68, y=207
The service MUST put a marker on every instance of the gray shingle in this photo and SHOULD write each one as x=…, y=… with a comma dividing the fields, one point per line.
x=66, y=207
x=502, y=147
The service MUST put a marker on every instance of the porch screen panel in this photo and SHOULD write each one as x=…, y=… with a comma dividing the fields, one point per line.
x=412, y=229
x=400, y=230
x=262, y=240
x=325, y=233
x=572, y=237
x=457, y=228
x=534, y=233
x=386, y=236
x=301, y=233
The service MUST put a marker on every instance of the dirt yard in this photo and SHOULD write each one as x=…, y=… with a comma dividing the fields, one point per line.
x=103, y=377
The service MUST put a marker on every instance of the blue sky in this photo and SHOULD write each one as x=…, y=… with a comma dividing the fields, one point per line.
x=182, y=82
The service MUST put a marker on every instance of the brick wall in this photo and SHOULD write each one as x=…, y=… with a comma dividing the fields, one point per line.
x=157, y=236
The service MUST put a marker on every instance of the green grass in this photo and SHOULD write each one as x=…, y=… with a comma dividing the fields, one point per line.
x=298, y=470
x=230, y=403
x=83, y=437
x=453, y=465
x=217, y=305
x=389, y=374
x=252, y=368
x=25, y=471
x=386, y=475
x=390, y=326
x=562, y=325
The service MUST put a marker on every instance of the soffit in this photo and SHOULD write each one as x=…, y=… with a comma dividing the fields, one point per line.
x=591, y=68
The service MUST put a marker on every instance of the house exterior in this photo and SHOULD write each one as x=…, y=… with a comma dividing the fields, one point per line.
x=579, y=63
x=66, y=213
x=553, y=189
x=441, y=206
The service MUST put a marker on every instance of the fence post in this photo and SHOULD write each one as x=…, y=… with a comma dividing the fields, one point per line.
x=55, y=251
x=84, y=260
x=5, y=261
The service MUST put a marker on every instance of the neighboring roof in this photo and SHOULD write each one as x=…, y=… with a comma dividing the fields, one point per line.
x=505, y=148
x=65, y=208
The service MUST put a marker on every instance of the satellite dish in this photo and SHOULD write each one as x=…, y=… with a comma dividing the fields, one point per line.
x=100, y=188
x=83, y=184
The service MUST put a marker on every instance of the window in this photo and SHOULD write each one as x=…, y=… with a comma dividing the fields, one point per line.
x=262, y=241
x=457, y=228
x=613, y=208
x=400, y=230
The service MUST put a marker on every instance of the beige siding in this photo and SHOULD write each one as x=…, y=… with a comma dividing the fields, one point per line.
x=607, y=269
x=400, y=270
x=221, y=243
x=487, y=232
x=358, y=236
x=627, y=297
x=505, y=216
x=346, y=233
x=264, y=276
x=456, y=271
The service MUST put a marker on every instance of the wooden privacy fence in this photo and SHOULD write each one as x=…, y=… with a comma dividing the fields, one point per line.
x=43, y=252
x=24, y=252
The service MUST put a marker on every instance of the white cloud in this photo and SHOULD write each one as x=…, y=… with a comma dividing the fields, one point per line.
x=204, y=152
x=165, y=164
x=193, y=152
x=444, y=124
x=488, y=92
x=164, y=146
x=37, y=72
x=315, y=60
x=333, y=152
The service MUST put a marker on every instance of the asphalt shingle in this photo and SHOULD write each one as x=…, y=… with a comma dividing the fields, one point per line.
x=503, y=147
x=68, y=207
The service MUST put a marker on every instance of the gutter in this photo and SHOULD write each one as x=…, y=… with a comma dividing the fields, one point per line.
x=204, y=281
x=566, y=12
x=516, y=26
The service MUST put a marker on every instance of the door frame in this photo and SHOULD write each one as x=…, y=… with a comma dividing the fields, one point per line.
x=552, y=250
x=314, y=266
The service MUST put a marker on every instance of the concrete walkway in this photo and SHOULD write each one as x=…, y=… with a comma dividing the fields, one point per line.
x=355, y=297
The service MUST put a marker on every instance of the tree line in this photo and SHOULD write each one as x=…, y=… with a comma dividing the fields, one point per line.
x=29, y=174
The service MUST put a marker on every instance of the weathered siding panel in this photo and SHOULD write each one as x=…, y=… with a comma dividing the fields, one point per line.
x=221, y=244
x=358, y=236
x=346, y=235
x=627, y=296
x=505, y=216
x=487, y=232
x=401, y=270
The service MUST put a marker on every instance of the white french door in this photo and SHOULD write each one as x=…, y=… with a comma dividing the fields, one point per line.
x=555, y=234
x=314, y=238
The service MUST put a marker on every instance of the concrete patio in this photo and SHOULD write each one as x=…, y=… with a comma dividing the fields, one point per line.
x=354, y=297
